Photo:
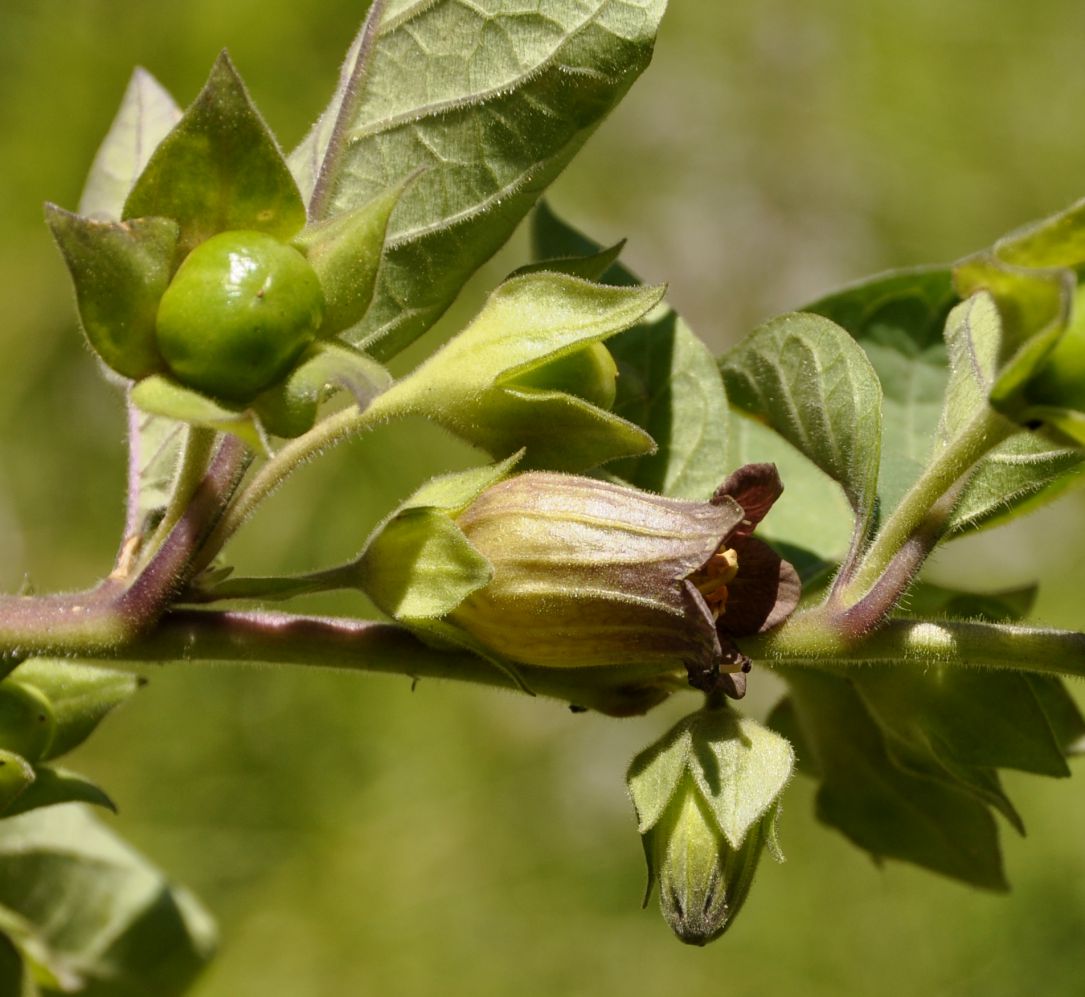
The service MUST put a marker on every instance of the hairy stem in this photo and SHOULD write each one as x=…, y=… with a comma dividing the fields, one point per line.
x=361, y=645
x=948, y=472
x=113, y=613
x=324, y=435
x=922, y=643
x=195, y=453
x=278, y=587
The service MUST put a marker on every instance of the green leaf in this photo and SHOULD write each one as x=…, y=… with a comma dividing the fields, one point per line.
x=809, y=381
x=1020, y=474
x=1057, y=241
x=15, y=979
x=990, y=719
x=1063, y=713
x=1034, y=306
x=52, y=786
x=493, y=101
x=974, y=339
x=220, y=169
x=926, y=600
x=420, y=566
x=479, y=384
x=918, y=757
x=668, y=382
x=897, y=318
x=81, y=696
x=120, y=271
x=162, y=396
x=146, y=115
x=881, y=807
x=813, y=514
x=100, y=907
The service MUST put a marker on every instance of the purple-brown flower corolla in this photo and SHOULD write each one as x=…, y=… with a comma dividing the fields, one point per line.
x=589, y=573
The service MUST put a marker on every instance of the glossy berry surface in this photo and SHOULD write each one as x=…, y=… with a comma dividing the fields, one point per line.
x=238, y=313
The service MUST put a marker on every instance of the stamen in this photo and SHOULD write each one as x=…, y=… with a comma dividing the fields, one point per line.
x=712, y=580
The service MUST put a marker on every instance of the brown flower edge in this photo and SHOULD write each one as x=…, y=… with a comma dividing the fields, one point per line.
x=745, y=588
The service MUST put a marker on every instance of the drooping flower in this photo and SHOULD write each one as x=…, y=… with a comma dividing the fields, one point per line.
x=591, y=573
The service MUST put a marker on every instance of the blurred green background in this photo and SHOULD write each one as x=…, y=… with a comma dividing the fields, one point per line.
x=354, y=837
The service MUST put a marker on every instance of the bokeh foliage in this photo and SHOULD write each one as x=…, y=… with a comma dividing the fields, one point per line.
x=354, y=837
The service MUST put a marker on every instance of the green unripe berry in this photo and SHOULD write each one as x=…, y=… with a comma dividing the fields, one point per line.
x=238, y=313
x=27, y=721
x=1061, y=379
x=589, y=373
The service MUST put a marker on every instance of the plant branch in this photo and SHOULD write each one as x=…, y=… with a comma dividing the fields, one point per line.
x=925, y=642
x=195, y=453
x=114, y=613
x=196, y=635
x=278, y=587
x=947, y=473
x=323, y=436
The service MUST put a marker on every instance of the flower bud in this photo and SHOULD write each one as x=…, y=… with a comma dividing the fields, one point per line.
x=703, y=881
x=707, y=798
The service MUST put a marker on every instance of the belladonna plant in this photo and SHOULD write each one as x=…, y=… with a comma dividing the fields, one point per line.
x=254, y=309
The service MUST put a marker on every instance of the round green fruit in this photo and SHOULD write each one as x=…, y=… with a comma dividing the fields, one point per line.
x=1060, y=380
x=27, y=721
x=237, y=314
x=589, y=373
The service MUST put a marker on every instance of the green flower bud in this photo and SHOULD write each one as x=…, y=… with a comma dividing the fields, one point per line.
x=239, y=312
x=27, y=721
x=530, y=373
x=707, y=799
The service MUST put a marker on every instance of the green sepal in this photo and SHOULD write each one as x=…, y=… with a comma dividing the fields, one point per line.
x=453, y=492
x=418, y=566
x=668, y=382
x=52, y=786
x=739, y=766
x=80, y=696
x=27, y=721
x=16, y=776
x=345, y=251
x=421, y=566
x=478, y=385
x=160, y=395
x=120, y=271
x=219, y=169
x=291, y=407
